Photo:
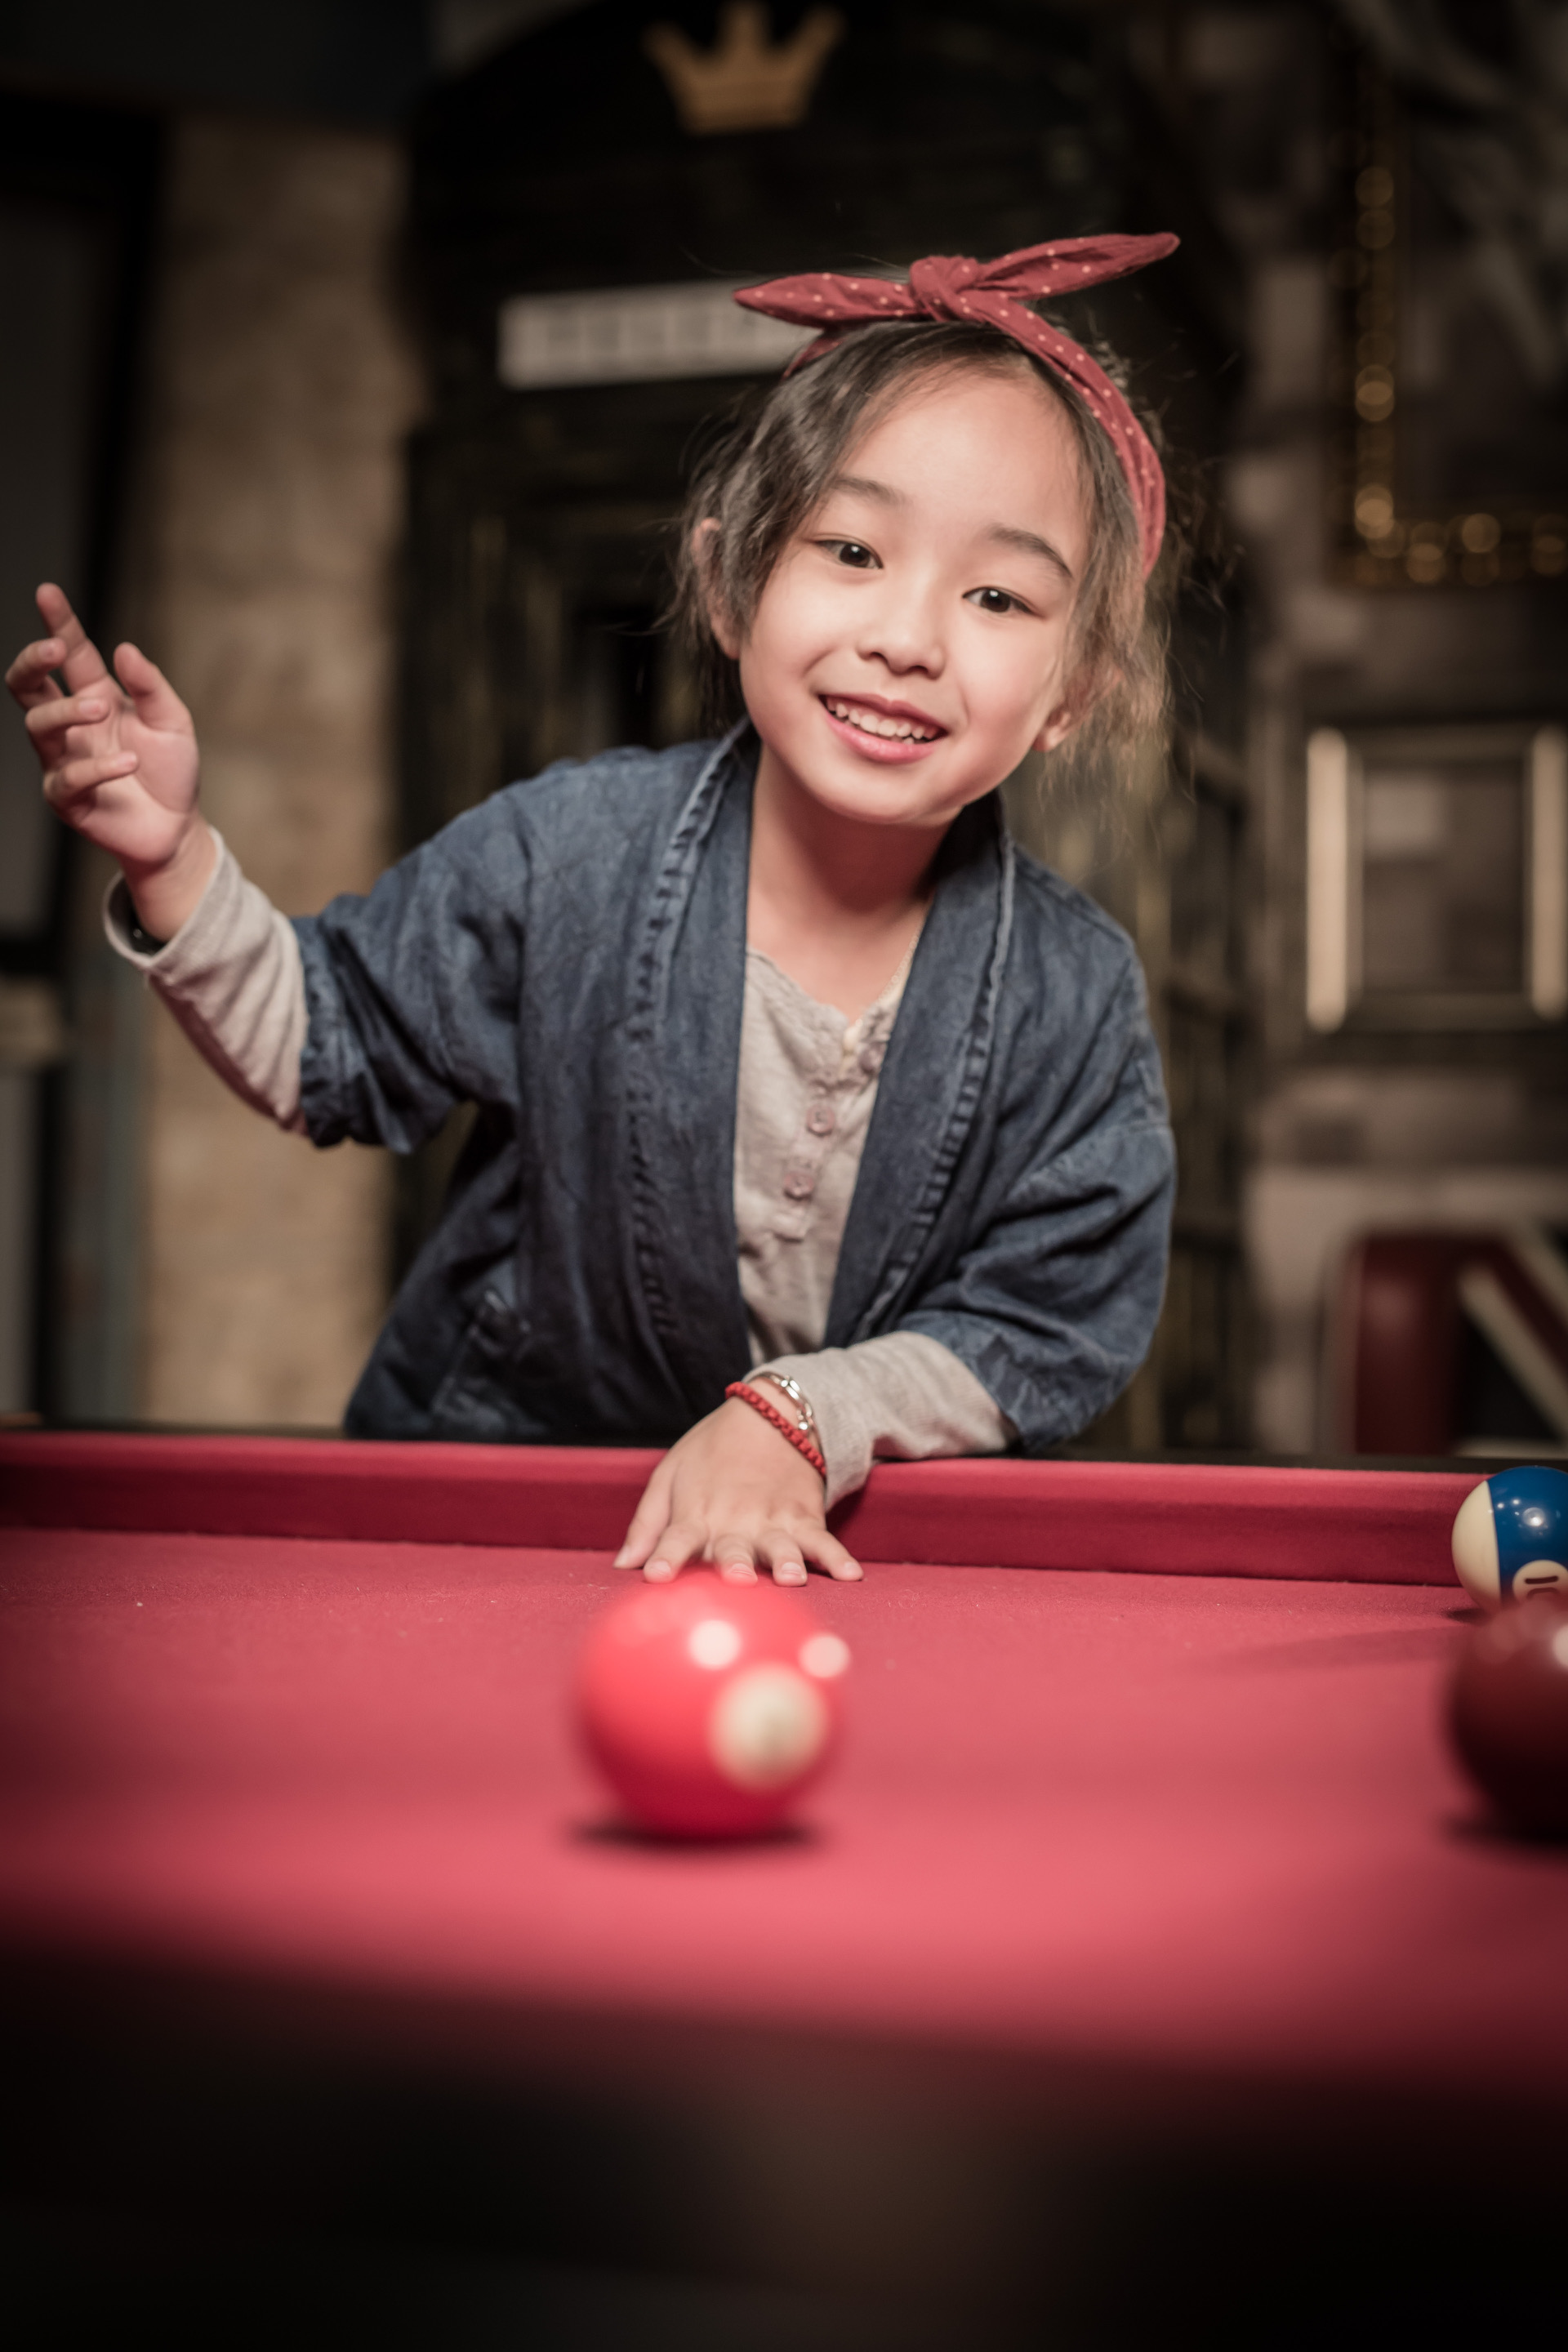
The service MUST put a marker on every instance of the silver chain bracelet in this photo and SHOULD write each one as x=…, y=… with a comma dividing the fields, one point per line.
x=796, y=1396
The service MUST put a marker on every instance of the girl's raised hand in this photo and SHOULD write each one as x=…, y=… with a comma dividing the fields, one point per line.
x=119, y=761
x=735, y=1493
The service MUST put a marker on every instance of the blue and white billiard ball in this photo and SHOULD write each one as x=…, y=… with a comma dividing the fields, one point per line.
x=1510, y=1537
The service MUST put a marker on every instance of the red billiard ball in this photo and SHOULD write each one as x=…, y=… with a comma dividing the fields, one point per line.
x=1508, y=1711
x=709, y=1708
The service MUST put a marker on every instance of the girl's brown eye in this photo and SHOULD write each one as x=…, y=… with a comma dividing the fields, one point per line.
x=994, y=600
x=851, y=551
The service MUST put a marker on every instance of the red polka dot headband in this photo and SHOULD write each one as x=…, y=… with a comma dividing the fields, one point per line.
x=998, y=294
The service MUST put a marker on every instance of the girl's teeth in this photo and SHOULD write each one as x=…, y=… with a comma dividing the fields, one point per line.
x=872, y=722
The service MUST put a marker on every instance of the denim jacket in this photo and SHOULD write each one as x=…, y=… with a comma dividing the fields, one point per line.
x=570, y=958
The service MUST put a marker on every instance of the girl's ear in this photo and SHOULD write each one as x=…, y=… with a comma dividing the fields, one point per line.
x=1070, y=713
x=1059, y=725
x=725, y=634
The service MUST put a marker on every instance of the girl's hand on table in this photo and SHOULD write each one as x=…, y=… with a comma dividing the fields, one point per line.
x=119, y=761
x=735, y=1493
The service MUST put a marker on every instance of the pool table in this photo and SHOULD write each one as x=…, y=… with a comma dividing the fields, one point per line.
x=1145, y=1886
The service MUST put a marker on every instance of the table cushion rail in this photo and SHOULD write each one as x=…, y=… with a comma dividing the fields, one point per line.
x=1377, y=1526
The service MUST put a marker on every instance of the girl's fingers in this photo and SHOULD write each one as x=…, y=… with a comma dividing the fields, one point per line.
x=647, y=1521
x=679, y=1542
x=54, y=605
x=782, y=1552
x=157, y=704
x=29, y=677
x=735, y=1557
x=70, y=781
x=81, y=660
x=48, y=715
x=826, y=1551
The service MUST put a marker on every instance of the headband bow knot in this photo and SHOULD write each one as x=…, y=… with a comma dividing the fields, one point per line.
x=998, y=294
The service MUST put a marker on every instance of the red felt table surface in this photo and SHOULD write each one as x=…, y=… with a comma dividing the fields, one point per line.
x=1106, y=1816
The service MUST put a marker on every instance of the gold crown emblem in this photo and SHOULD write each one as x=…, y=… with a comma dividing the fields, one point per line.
x=746, y=81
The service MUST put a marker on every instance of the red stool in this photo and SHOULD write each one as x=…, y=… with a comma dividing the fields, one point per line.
x=1410, y=1313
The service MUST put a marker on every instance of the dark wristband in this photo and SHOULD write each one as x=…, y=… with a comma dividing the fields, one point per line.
x=142, y=942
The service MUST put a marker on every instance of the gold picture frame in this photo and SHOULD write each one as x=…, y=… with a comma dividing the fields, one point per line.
x=1379, y=540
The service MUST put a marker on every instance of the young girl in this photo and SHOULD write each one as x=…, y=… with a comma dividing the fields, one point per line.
x=814, y=1123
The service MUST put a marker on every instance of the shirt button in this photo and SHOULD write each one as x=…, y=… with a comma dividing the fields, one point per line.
x=799, y=1184
x=822, y=1118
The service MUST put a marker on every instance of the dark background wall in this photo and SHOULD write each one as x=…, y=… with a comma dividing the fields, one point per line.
x=279, y=446
x=360, y=61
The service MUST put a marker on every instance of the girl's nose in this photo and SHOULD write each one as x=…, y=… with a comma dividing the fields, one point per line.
x=903, y=633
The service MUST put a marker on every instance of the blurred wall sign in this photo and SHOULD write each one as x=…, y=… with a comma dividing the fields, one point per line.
x=634, y=335
x=1436, y=878
x=746, y=81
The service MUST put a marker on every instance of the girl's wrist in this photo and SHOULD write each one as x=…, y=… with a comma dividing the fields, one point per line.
x=742, y=1392
x=798, y=1402
x=166, y=896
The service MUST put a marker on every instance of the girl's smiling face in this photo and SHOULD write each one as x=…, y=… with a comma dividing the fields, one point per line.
x=913, y=642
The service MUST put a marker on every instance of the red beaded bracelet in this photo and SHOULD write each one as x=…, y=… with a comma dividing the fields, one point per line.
x=798, y=1437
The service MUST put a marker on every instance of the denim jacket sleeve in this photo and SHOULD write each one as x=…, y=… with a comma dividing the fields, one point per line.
x=413, y=988
x=1053, y=1301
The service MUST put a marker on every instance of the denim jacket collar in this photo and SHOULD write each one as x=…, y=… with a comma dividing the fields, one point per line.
x=688, y=980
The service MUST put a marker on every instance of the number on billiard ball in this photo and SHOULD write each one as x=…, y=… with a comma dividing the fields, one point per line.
x=1508, y=1711
x=709, y=1708
x=1510, y=1539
